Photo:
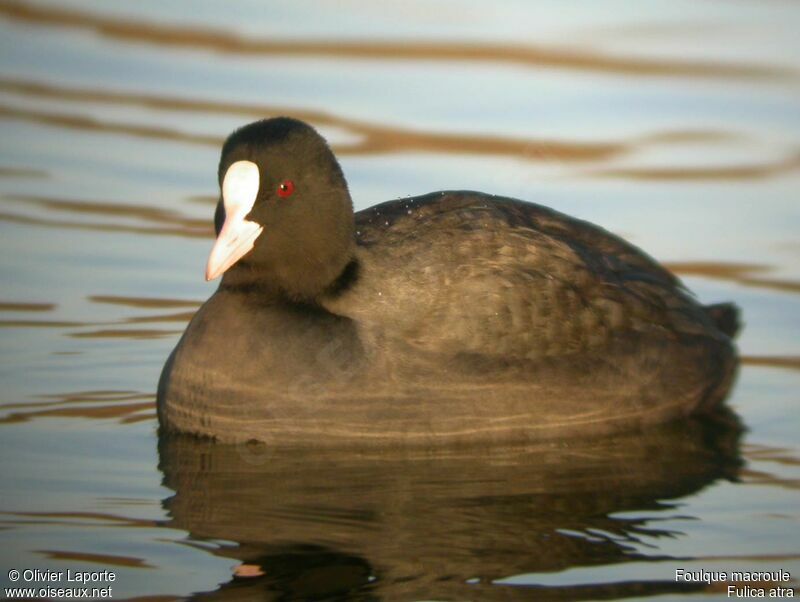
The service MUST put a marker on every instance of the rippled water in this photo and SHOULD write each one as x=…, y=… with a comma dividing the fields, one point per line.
x=674, y=124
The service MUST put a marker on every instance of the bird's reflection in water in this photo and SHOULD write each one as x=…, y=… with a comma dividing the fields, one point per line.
x=323, y=524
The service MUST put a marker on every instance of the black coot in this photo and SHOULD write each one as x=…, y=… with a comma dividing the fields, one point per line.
x=447, y=318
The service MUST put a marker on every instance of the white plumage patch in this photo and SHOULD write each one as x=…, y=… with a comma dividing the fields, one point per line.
x=240, y=188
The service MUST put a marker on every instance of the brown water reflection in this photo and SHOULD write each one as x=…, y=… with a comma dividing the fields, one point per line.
x=25, y=306
x=167, y=222
x=737, y=172
x=179, y=318
x=101, y=559
x=530, y=56
x=372, y=138
x=125, y=333
x=22, y=172
x=760, y=477
x=381, y=138
x=90, y=519
x=143, y=302
x=16, y=218
x=741, y=273
x=39, y=324
x=93, y=125
x=792, y=363
x=443, y=525
x=125, y=406
x=143, y=212
x=765, y=455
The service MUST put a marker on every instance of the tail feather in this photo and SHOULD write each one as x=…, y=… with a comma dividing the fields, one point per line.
x=726, y=317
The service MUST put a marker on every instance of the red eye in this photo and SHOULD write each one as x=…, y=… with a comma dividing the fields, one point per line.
x=285, y=188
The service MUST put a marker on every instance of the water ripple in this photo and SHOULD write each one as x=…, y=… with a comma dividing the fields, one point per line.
x=125, y=406
x=407, y=50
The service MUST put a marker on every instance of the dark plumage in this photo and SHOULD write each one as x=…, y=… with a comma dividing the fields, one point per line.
x=450, y=317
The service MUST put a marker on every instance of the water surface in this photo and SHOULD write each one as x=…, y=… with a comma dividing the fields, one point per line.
x=674, y=124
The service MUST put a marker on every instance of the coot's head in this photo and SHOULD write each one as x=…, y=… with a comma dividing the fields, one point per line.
x=285, y=219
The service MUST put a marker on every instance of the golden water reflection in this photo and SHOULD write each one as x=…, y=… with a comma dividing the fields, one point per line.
x=16, y=218
x=163, y=221
x=22, y=172
x=78, y=518
x=774, y=361
x=414, y=50
x=26, y=306
x=735, y=172
x=104, y=560
x=143, y=302
x=125, y=406
x=741, y=273
x=373, y=138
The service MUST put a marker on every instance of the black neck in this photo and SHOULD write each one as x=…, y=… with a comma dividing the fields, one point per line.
x=248, y=278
